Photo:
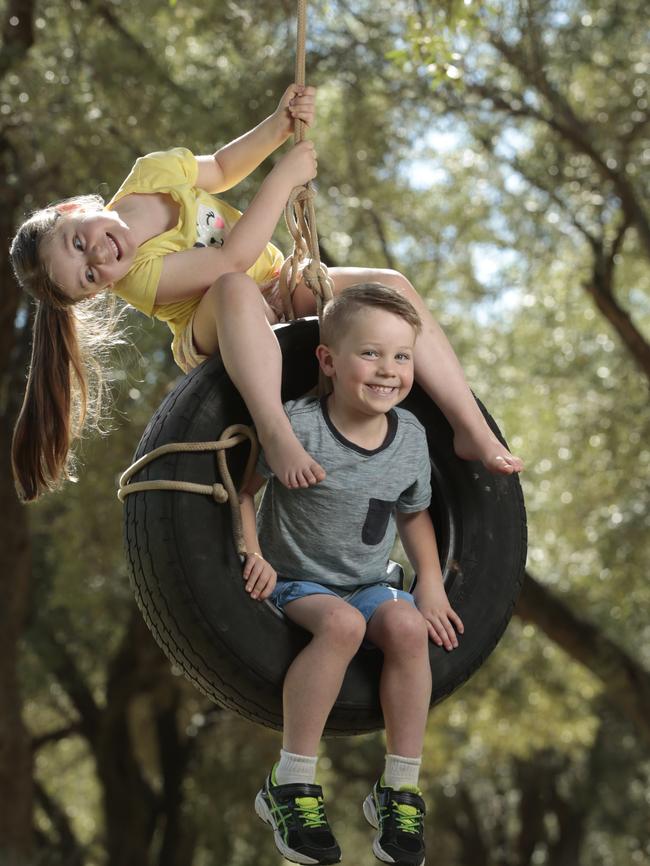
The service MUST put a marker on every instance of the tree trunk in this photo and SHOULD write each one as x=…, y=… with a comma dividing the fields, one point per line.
x=178, y=842
x=130, y=804
x=16, y=794
x=16, y=787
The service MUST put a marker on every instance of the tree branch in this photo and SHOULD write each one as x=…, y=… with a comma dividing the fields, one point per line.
x=104, y=11
x=600, y=287
x=56, y=736
x=67, y=846
x=575, y=131
x=517, y=167
x=626, y=683
x=56, y=658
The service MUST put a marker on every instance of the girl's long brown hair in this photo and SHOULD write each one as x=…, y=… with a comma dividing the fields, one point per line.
x=66, y=383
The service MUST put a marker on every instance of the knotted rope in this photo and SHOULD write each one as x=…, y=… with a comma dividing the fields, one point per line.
x=225, y=492
x=300, y=214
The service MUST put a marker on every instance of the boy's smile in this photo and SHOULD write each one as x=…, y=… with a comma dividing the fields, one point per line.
x=371, y=366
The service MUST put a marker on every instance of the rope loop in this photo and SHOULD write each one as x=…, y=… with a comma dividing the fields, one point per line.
x=221, y=493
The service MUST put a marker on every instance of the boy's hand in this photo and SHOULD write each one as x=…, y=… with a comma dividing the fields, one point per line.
x=298, y=165
x=260, y=577
x=433, y=604
x=298, y=102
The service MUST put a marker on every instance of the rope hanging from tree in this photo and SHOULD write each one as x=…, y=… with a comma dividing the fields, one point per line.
x=300, y=213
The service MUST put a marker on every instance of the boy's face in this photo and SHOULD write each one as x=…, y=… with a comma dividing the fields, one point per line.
x=371, y=366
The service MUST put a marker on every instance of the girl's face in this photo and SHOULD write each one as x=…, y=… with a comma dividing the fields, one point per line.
x=372, y=366
x=87, y=253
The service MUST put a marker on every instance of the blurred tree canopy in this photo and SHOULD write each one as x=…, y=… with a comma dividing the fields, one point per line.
x=495, y=152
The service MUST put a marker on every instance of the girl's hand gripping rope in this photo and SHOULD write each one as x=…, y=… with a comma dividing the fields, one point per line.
x=299, y=165
x=298, y=102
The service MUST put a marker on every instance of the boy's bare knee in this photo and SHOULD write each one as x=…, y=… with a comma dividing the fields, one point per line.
x=346, y=626
x=402, y=629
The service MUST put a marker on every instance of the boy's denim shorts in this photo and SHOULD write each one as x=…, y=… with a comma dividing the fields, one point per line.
x=366, y=599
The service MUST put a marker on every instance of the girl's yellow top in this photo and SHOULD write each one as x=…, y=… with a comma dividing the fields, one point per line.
x=203, y=221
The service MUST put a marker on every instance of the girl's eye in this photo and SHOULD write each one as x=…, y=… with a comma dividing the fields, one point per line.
x=77, y=243
x=403, y=357
x=90, y=277
x=370, y=352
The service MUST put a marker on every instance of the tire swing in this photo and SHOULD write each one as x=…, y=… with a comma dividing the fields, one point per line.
x=185, y=566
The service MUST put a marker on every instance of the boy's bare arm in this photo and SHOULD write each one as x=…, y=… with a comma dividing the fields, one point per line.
x=419, y=539
x=247, y=505
x=259, y=575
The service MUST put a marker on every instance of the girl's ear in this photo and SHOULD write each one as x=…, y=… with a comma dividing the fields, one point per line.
x=325, y=359
x=66, y=207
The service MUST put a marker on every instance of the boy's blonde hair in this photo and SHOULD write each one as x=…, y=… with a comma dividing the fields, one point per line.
x=341, y=310
x=66, y=384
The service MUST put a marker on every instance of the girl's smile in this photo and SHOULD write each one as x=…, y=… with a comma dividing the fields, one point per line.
x=88, y=252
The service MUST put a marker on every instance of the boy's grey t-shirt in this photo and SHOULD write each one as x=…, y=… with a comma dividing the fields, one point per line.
x=341, y=531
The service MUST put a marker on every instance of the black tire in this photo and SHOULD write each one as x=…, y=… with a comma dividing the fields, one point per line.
x=187, y=575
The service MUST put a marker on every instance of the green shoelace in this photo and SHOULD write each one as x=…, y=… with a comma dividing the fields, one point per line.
x=311, y=812
x=408, y=818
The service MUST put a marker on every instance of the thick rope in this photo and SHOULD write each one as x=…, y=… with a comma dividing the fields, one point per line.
x=226, y=492
x=300, y=214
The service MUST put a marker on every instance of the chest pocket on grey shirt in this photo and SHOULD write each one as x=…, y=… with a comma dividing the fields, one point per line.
x=374, y=529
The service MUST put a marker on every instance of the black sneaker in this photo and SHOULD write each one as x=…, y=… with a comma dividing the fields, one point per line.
x=398, y=817
x=300, y=827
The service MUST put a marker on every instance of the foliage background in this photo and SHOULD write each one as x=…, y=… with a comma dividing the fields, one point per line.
x=496, y=153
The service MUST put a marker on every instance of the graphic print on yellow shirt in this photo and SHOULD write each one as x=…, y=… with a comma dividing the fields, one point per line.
x=210, y=227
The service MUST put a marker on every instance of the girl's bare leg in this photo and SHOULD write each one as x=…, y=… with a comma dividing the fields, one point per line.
x=437, y=371
x=233, y=317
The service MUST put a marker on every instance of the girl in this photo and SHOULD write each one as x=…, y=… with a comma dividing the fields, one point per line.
x=168, y=247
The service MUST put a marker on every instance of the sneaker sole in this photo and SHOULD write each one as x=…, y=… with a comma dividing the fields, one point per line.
x=370, y=814
x=263, y=812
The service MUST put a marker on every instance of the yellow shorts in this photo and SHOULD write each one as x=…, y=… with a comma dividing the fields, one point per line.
x=183, y=347
x=184, y=350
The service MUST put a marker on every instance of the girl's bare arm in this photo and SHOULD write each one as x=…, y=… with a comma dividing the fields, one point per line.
x=191, y=272
x=232, y=163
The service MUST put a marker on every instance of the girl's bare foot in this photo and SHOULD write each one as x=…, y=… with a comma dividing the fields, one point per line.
x=288, y=460
x=484, y=446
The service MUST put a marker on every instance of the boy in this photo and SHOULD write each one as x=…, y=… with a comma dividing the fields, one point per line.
x=330, y=544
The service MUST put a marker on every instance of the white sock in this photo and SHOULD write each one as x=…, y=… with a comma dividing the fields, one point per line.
x=295, y=768
x=401, y=771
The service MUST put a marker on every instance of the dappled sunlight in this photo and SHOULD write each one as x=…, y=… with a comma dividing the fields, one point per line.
x=458, y=145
